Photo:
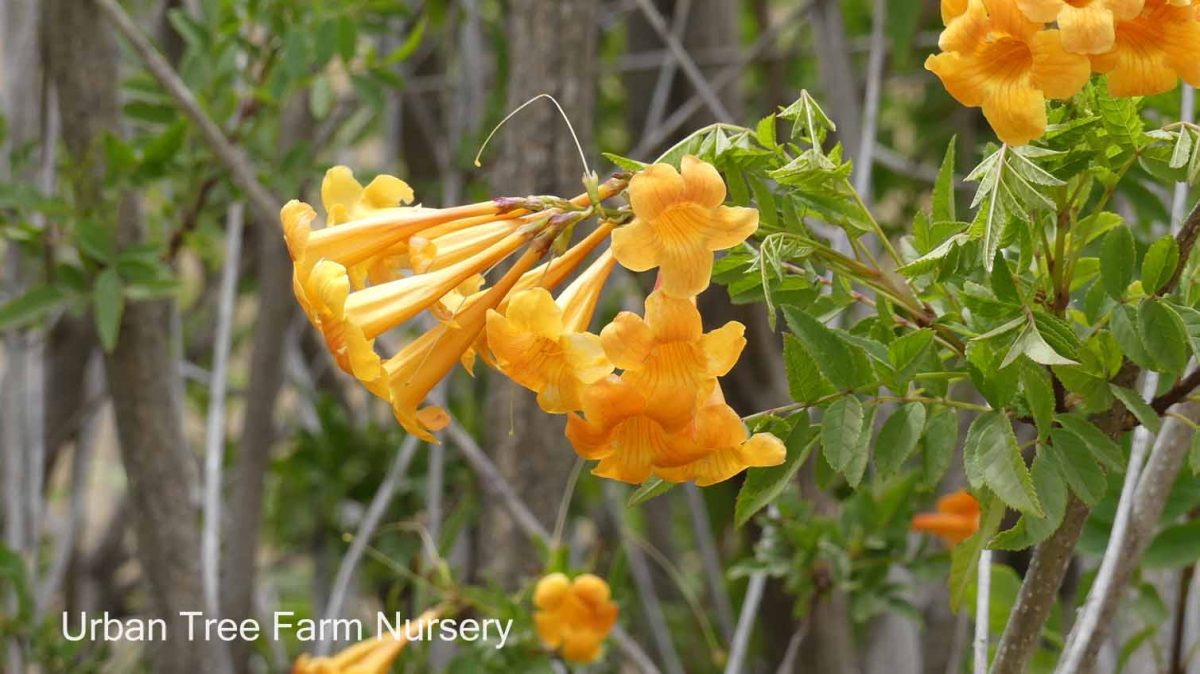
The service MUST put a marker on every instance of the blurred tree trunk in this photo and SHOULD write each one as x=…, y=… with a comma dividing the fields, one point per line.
x=554, y=46
x=142, y=375
x=276, y=308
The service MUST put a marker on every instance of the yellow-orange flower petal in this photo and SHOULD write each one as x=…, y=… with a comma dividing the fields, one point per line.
x=678, y=223
x=728, y=450
x=956, y=519
x=1153, y=51
x=996, y=59
x=343, y=198
x=630, y=434
x=667, y=355
x=574, y=617
x=372, y=656
x=1088, y=26
x=952, y=9
x=531, y=346
x=414, y=371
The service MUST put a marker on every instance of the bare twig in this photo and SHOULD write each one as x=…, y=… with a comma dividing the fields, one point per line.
x=366, y=529
x=707, y=92
x=666, y=72
x=640, y=571
x=983, y=593
x=865, y=165
x=713, y=571
x=745, y=624
x=241, y=170
x=214, y=439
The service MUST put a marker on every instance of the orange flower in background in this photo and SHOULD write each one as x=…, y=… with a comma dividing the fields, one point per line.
x=543, y=345
x=679, y=220
x=995, y=58
x=956, y=519
x=630, y=434
x=668, y=356
x=1153, y=50
x=574, y=617
x=372, y=656
x=729, y=448
x=1087, y=26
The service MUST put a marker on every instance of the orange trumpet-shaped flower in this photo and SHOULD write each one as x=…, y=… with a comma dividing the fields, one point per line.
x=372, y=656
x=417, y=368
x=345, y=199
x=630, y=434
x=1153, y=50
x=995, y=58
x=679, y=220
x=952, y=9
x=574, y=617
x=729, y=448
x=427, y=255
x=956, y=519
x=543, y=345
x=1087, y=26
x=668, y=355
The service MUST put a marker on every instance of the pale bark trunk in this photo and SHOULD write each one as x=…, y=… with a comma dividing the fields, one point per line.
x=555, y=46
x=142, y=376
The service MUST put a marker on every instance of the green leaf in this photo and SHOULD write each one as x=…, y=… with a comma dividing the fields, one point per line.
x=857, y=465
x=1039, y=397
x=109, y=302
x=1124, y=326
x=898, y=438
x=1029, y=343
x=992, y=459
x=840, y=428
x=1175, y=546
x=964, y=558
x=1117, y=257
x=1181, y=153
x=764, y=485
x=1101, y=447
x=1138, y=407
x=96, y=240
x=943, y=189
x=931, y=260
x=1158, y=266
x=1164, y=336
x=941, y=439
x=1052, y=490
x=651, y=488
x=904, y=355
x=844, y=365
x=31, y=306
x=805, y=381
x=347, y=38
x=1076, y=464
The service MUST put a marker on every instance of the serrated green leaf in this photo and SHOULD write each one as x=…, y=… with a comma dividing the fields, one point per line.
x=898, y=438
x=992, y=459
x=1117, y=257
x=940, y=441
x=840, y=428
x=1077, y=465
x=1138, y=407
x=1039, y=397
x=1181, y=153
x=109, y=303
x=1124, y=327
x=1164, y=336
x=805, y=381
x=1032, y=345
x=1101, y=447
x=31, y=306
x=842, y=363
x=930, y=261
x=1052, y=490
x=1158, y=266
x=943, y=188
x=764, y=485
x=857, y=465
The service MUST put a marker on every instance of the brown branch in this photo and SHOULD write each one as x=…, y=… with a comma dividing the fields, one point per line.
x=1177, y=392
x=1186, y=238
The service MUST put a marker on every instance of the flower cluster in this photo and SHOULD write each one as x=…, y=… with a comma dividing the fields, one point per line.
x=664, y=414
x=641, y=395
x=371, y=656
x=956, y=519
x=999, y=55
x=574, y=617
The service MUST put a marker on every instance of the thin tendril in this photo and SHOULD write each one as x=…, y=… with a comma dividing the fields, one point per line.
x=579, y=146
